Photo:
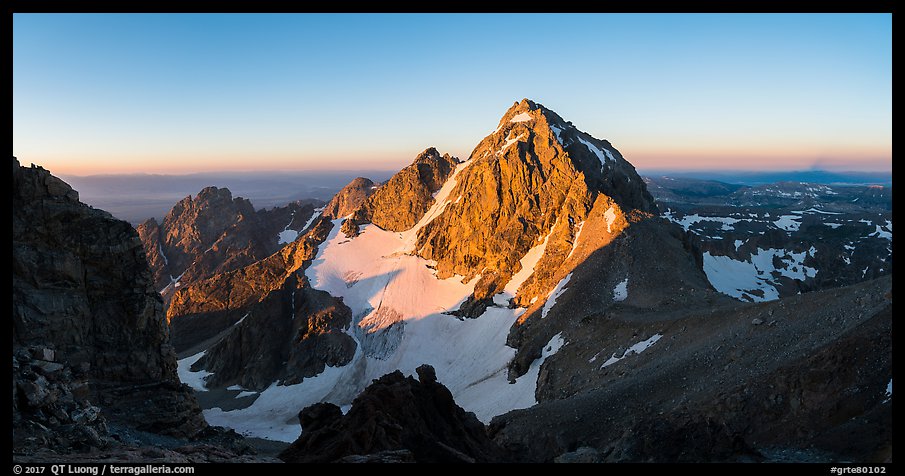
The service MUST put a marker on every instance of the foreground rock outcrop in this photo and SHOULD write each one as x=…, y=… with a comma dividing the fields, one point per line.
x=396, y=419
x=91, y=348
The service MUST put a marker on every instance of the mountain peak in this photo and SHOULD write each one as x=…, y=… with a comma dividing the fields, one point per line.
x=400, y=202
x=534, y=179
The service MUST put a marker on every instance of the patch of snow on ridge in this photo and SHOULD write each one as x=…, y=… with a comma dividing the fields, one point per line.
x=287, y=235
x=688, y=220
x=634, y=349
x=523, y=117
x=737, y=279
x=881, y=233
x=578, y=229
x=610, y=217
x=600, y=155
x=556, y=130
x=754, y=280
x=788, y=223
x=528, y=262
x=815, y=210
x=509, y=142
x=620, y=292
x=166, y=262
x=316, y=213
x=554, y=294
x=192, y=379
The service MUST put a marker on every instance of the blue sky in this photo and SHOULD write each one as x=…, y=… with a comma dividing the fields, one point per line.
x=109, y=93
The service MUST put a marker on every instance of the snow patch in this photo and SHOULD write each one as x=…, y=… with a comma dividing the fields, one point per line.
x=240, y=321
x=528, y=262
x=523, y=117
x=577, y=235
x=287, y=236
x=634, y=349
x=688, y=220
x=509, y=142
x=738, y=243
x=554, y=294
x=832, y=225
x=557, y=131
x=788, y=223
x=880, y=233
x=600, y=154
x=816, y=210
x=610, y=217
x=316, y=213
x=166, y=262
x=739, y=278
x=192, y=379
x=245, y=393
x=620, y=292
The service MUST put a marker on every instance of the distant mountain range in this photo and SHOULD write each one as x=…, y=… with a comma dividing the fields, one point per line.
x=743, y=177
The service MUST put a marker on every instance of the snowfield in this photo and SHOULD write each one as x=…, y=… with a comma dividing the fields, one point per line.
x=753, y=280
x=186, y=376
x=399, y=322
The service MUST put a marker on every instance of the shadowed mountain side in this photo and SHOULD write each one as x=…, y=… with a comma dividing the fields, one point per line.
x=720, y=383
x=649, y=267
x=255, y=351
x=230, y=294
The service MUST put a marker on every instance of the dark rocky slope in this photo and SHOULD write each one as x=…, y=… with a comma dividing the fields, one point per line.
x=790, y=380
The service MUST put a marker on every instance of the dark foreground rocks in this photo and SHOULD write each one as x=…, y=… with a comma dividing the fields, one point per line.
x=395, y=419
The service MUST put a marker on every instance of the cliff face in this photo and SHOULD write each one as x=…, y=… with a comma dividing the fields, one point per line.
x=84, y=304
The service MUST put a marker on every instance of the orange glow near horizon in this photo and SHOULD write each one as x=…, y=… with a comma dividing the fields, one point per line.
x=643, y=159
